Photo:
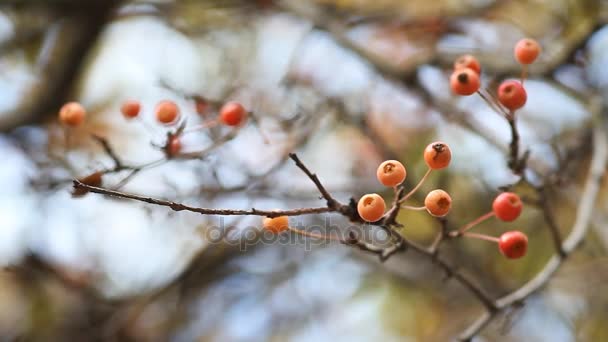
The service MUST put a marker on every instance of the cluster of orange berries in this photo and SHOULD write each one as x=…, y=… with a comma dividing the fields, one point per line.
x=167, y=112
x=391, y=173
x=465, y=80
x=507, y=206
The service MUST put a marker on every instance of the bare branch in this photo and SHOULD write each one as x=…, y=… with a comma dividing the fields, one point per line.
x=204, y=211
x=579, y=230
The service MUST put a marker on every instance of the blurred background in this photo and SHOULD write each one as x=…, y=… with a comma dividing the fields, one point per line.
x=346, y=84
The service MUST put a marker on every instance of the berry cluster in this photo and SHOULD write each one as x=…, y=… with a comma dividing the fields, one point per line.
x=167, y=113
x=465, y=79
x=391, y=173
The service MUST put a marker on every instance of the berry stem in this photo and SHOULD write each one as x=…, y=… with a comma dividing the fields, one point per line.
x=524, y=73
x=481, y=237
x=409, y=194
x=475, y=222
x=493, y=103
x=409, y=207
x=315, y=235
x=67, y=139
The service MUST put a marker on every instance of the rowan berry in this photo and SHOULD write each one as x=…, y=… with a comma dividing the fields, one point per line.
x=438, y=203
x=507, y=206
x=513, y=244
x=526, y=51
x=276, y=224
x=512, y=95
x=464, y=81
x=167, y=112
x=72, y=114
x=232, y=114
x=467, y=61
x=437, y=155
x=130, y=109
x=391, y=173
x=371, y=207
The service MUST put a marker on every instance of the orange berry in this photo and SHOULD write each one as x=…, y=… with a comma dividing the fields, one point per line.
x=437, y=155
x=391, y=173
x=232, y=114
x=130, y=109
x=526, y=51
x=438, y=203
x=513, y=244
x=507, y=206
x=371, y=207
x=167, y=112
x=467, y=61
x=72, y=114
x=464, y=81
x=512, y=95
x=276, y=224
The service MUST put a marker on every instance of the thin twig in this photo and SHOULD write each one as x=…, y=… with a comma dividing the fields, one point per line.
x=204, y=211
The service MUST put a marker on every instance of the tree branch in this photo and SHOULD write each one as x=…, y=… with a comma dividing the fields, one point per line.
x=579, y=230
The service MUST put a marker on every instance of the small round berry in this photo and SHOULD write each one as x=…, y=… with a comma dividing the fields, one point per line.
x=130, y=109
x=512, y=95
x=438, y=203
x=437, y=155
x=371, y=207
x=232, y=114
x=173, y=147
x=276, y=224
x=467, y=61
x=167, y=112
x=526, y=51
x=391, y=173
x=72, y=114
x=464, y=81
x=507, y=206
x=513, y=244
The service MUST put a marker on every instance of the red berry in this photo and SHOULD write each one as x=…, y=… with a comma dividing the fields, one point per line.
x=464, y=81
x=513, y=244
x=371, y=207
x=276, y=224
x=526, y=51
x=167, y=112
x=391, y=173
x=512, y=95
x=437, y=155
x=438, y=203
x=72, y=114
x=467, y=61
x=232, y=114
x=130, y=109
x=507, y=206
